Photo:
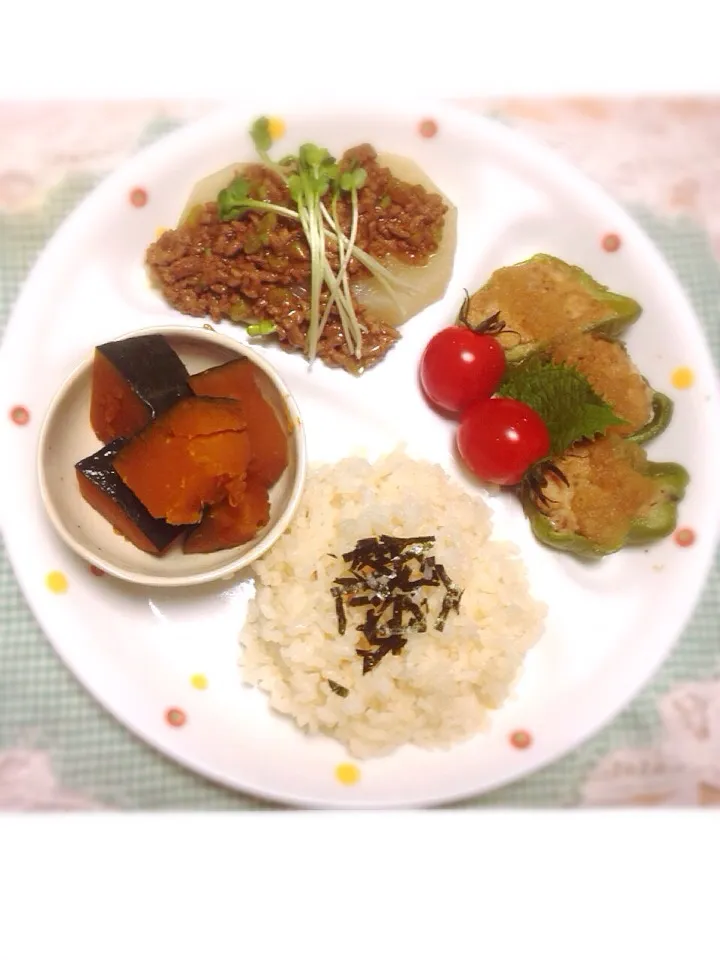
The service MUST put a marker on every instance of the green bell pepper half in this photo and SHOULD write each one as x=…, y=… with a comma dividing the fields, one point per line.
x=655, y=524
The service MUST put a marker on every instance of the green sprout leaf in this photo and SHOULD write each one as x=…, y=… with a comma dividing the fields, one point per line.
x=353, y=179
x=564, y=399
x=346, y=181
x=295, y=186
x=260, y=133
x=233, y=198
x=313, y=156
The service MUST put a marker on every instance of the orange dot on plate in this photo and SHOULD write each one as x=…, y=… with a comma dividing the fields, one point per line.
x=20, y=415
x=175, y=717
x=520, y=739
x=684, y=537
x=138, y=197
x=611, y=242
x=682, y=378
x=96, y=571
x=347, y=773
x=428, y=128
x=56, y=582
x=199, y=681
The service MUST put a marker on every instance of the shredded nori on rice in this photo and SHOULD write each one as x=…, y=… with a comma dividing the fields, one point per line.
x=340, y=611
x=386, y=573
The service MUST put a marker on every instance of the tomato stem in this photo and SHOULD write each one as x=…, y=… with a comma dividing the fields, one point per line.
x=492, y=326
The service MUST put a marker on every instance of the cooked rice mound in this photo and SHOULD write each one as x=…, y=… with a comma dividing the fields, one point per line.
x=440, y=688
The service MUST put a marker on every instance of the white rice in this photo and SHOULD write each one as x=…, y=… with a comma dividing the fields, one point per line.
x=441, y=687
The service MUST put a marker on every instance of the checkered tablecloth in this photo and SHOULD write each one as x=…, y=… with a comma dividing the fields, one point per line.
x=84, y=753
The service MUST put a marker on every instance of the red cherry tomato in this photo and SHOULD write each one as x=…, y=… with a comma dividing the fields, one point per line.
x=459, y=366
x=499, y=438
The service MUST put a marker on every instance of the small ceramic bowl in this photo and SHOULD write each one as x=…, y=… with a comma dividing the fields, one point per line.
x=67, y=437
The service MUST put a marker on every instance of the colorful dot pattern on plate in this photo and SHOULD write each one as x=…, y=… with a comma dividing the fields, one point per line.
x=682, y=378
x=291, y=768
x=347, y=773
x=56, y=582
x=20, y=415
x=96, y=571
x=138, y=197
x=684, y=537
x=428, y=128
x=175, y=717
x=611, y=242
x=199, y=681
x=276, y=127
x=520, y=739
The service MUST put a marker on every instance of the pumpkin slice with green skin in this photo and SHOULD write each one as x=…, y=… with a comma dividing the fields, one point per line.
x=133, y=381
x=611, y=497
x=233, y=521
x=543, y=298
x=185, y=459
x=103, y=489
x=237, y=379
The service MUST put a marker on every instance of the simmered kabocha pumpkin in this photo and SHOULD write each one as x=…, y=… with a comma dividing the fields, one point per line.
x=232, y=522
x=268, y=440
x=185, y=458
x=182, y=454
x=133, y=381
x=104, y=490
x=529, y=304
x=604, y=495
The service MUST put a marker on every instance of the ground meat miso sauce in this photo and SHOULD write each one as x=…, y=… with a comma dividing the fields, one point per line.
x=258, y=267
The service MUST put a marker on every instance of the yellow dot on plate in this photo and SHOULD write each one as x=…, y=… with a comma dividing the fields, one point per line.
x=56, y=582
x=347, y=773
x=159, y=231
x=199, y=681
x=276, y=127
x=682, y=378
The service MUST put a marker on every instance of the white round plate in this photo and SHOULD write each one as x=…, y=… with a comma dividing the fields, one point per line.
x=609, y=625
